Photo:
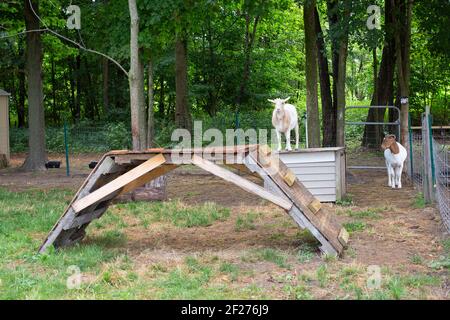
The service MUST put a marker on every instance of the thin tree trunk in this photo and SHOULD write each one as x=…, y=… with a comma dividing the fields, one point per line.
x=403, y=9
x=22, y=88
x=182, y=110
x=54, y=89
x=150, y=112
x=136, y=82
x=312, y=105
x=161, y=96
x=340, y=93
x=248, y=46
x=375, y=68
x=342, y=75
x=79, y=89
x=105, y=86
x=36, y=121
x=328, y=112
x=373, y=134
x=21, y=100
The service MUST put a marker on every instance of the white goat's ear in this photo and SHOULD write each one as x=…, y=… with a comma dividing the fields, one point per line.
x=270, y=100
x=286, y=100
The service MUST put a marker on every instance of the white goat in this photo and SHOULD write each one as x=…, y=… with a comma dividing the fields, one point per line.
x=284, y=119
x=395, y=155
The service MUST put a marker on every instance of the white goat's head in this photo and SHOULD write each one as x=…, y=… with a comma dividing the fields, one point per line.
x=279, y=105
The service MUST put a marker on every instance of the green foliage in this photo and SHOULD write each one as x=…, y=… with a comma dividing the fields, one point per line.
x=272, y=255
x=117, y=135
x=345, y=201
x=419, y=201
x=246, y=222
x=354, y=226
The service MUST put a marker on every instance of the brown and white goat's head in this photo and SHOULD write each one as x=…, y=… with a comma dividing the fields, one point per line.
x=388, y=140
x=279, y=106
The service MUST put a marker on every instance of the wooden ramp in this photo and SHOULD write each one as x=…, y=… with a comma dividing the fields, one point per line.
x=120, y=172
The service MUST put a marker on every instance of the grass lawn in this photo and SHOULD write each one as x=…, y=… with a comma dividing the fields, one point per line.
x=108, y=267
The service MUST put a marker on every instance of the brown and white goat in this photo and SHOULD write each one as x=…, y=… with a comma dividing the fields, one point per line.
x=395, y=155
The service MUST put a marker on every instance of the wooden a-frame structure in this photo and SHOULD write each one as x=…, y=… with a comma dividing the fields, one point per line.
x=119, y=172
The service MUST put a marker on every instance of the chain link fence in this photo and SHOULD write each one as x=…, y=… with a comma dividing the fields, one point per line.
x=430, y=165
x=441, y=155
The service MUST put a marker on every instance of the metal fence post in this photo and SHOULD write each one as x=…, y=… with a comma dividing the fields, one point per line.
x=66, y=146
x=428, y=184
x=411, y=155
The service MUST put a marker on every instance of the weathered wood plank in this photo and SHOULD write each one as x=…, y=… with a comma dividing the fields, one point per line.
x=105, y=165
x=118, y=183
x=85, y=218
x=301, y=197
x=240, y=182
x=343, y=237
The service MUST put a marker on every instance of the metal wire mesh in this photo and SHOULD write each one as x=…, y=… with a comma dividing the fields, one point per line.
x=417, y=173
x=441, y=153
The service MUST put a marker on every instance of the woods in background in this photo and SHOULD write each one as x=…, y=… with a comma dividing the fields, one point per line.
x=187, y=59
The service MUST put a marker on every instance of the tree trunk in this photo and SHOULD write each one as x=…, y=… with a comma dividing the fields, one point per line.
x=339, y=46
x=375, y=68
x=340, y=93
x=150, y=112
x=21, y=100
x=182, y=110
x=105, y=86
x=403, y=9
x=79, y=89
x=36, y=121
x=161, y=96
x=373, y=134
x=22, y=88
x=311, y=75
x=328, y=112
x=54, y=89
x=248, y=45
x=136, y=82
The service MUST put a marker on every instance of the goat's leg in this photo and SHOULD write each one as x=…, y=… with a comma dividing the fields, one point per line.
x=392, y=177
x=388, y=166
x=288, y=140
x=279, y=140
x=297, y=137
x=398, y=174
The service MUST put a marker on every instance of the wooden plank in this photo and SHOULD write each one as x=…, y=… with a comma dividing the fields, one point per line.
x=343, y=237
x=155, y=173
x=301, y=197
x=118, y=183
x=240, y=182
x=326, y=247
x=105, y=164
x=103, y=167
x=85, y=218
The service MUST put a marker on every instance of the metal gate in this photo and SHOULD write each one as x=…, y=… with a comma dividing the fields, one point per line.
x=395, y=123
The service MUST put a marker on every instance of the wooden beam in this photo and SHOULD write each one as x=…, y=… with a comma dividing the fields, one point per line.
x=301, y=197
x=240, y=182
x=118, y=183
x=85, y=218
x=105, y=165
